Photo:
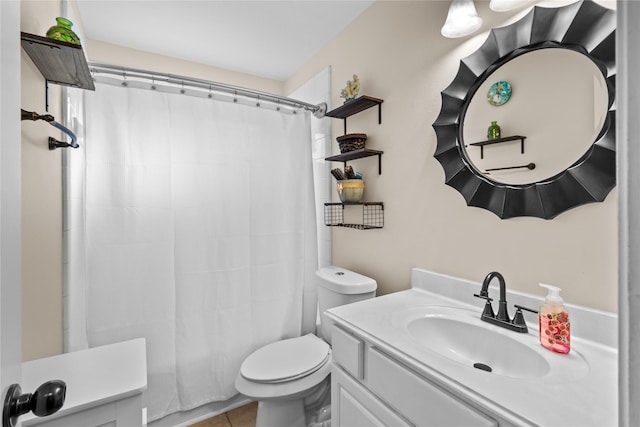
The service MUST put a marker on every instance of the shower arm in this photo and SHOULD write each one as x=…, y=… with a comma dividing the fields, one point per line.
x=53, y=143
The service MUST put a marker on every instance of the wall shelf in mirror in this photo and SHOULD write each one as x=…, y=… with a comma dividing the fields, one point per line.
x=482, y=144
x=372, y=215
x=59, y=62
x=355, y=106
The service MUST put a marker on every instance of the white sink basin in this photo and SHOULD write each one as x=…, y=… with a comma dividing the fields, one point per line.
x=479, y=347
x=460, y=336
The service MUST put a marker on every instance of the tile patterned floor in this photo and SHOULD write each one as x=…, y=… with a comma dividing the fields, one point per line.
x=244, y=416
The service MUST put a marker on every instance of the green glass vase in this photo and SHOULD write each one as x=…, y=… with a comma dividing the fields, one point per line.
x=494, y=131
x=63, y=32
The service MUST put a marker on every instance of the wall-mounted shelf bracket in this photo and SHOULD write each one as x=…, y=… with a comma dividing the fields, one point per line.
x=481, y=144
x=355, y=106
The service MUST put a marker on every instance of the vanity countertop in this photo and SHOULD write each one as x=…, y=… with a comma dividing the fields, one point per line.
x=589, y=399
x=93, y=377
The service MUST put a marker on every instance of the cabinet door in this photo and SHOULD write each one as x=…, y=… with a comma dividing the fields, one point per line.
x=353, y=406
x=122, y=413
x=416, y=398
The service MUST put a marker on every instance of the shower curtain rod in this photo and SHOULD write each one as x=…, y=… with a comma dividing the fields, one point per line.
x=97, y=68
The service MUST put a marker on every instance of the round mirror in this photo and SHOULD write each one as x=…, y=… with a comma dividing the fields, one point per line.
x=560, y=123
x=559, y=109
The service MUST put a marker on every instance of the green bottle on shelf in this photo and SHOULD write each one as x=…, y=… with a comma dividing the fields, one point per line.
x=63, y=32
x=494, y=131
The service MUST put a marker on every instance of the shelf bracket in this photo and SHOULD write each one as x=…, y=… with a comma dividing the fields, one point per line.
x=379, y=118
x=379, y=164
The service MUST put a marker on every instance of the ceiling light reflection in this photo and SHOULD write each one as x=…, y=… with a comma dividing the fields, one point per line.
x=462, y=19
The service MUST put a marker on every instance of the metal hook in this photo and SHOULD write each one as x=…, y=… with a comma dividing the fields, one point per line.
x=258, y=103
x=235, y=95
x=210, y=94
x=153, y=83
x=182, y=91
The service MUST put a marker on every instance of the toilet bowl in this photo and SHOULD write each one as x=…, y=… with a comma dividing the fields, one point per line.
x=287, y=376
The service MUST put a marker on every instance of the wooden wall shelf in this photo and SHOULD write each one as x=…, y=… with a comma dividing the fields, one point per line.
x=355, y=106
x=59, y=62
x=357, y=154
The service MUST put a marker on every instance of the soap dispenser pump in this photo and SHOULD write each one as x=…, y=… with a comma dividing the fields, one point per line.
x=555, y=329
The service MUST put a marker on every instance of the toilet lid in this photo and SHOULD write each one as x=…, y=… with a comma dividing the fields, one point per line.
x=286, y=360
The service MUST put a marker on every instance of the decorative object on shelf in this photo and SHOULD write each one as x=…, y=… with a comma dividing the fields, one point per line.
x=351, y=142
x=494, y=131
x=62, y=31
x=350, y=92
x=499, y=93
x=351, y=190
x=348, y=173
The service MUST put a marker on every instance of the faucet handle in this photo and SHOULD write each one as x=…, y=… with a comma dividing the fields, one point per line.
x=518, y=318
x=519, y=307
x=483, y=297
x=488, y=309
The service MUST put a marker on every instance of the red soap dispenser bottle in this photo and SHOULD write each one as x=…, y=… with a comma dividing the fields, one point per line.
x=555, y=329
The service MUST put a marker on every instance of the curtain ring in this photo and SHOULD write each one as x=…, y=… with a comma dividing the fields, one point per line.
x=153, y=83
x=258, y=103
x=182, y=91
x=210, y=94
x=235, y=95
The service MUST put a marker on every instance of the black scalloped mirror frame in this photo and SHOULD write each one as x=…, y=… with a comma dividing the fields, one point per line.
x=584, y=27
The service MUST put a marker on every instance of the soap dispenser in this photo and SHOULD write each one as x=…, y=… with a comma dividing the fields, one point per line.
x=555, y=329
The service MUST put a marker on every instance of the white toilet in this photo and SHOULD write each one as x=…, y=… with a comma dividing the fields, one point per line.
x=287, y=375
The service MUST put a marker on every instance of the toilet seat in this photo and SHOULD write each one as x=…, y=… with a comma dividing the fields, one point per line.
x=286, y=360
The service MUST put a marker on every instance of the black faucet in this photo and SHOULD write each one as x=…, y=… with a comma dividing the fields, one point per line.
x=502, y=319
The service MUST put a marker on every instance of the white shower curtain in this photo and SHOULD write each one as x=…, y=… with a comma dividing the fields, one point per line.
x=190, y=222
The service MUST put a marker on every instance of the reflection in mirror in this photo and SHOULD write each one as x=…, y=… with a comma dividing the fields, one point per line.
x=584, y=27
x=558, y=102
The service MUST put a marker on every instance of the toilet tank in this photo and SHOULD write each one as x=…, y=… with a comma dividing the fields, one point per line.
x=338, y=286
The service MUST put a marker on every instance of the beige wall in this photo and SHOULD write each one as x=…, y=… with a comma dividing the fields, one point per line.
x=396, y=49
x=106, y=53
x=41, y=201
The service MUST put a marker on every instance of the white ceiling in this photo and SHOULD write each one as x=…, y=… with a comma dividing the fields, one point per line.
x=266, y=38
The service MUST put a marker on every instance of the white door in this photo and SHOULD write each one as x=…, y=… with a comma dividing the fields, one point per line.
x=10, y=230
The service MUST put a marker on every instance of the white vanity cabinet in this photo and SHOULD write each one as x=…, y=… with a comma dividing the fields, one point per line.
x=104, y=386
x=387, y=371
x=370, y=388
x=125, y=412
